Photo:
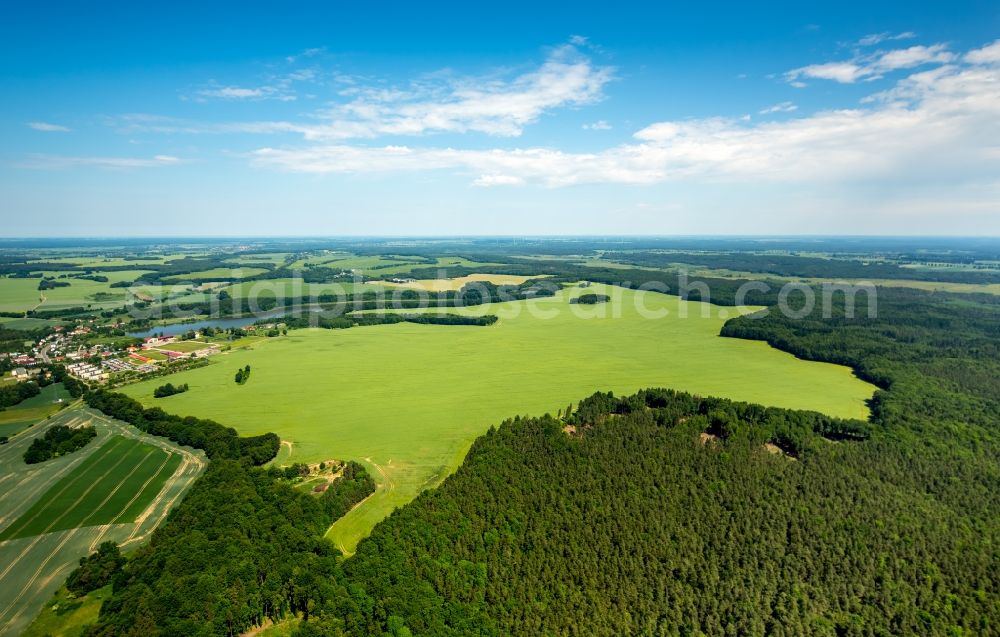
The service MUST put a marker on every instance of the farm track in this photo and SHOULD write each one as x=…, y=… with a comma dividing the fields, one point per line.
x=128, y=505
x=35, y=566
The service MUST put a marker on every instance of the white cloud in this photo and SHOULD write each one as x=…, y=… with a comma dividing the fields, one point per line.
x=437, y=103
x=843, y=72
x=598, y=125
x=936, y=126
x=485, y=105
x=876, y=38
x=989, y=54
x=47, y=127
x=233, y=92
x=63, y=161
x=783, y=107
x=487, y=181
x=280, y=93
x=307, y=53
x=872, y=66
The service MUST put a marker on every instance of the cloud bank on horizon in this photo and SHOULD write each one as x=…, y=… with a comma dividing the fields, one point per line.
x=918, y=137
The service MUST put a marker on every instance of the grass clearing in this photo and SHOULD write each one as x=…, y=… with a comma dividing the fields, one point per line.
x=409, y=399
x=66, y=615
x=28, y=323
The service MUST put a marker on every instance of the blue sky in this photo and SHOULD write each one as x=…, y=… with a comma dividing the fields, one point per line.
x=621, y=118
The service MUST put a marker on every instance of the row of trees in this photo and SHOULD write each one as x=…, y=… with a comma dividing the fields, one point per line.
x=217, y=440
x=13, y=393
x=590, y=299
x=362, y=320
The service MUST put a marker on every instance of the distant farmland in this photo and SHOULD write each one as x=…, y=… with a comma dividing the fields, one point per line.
x=119, y=488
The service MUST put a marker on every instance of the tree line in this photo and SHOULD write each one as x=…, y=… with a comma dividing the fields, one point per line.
x=216, y=440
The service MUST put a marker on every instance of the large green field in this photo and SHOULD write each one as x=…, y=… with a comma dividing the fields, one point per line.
x=409, y=399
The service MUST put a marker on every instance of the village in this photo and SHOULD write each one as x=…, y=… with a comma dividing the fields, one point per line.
x=93, y=358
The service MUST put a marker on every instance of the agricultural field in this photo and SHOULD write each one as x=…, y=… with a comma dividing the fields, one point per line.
x=97, y=261
x=444, y=285
x=18, y=295
x=216, y=273
x=119, y=487
x=408, y=399
x=35, y=409
x=285, y=288
x=28, y=323
x=113, y=485
x=384, y=264
x=276, y=258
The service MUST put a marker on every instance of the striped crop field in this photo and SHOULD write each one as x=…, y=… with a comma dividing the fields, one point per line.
x=112, y=486
x=120, y=487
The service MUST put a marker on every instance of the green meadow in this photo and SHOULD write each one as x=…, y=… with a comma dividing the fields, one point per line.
x=409, y=399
